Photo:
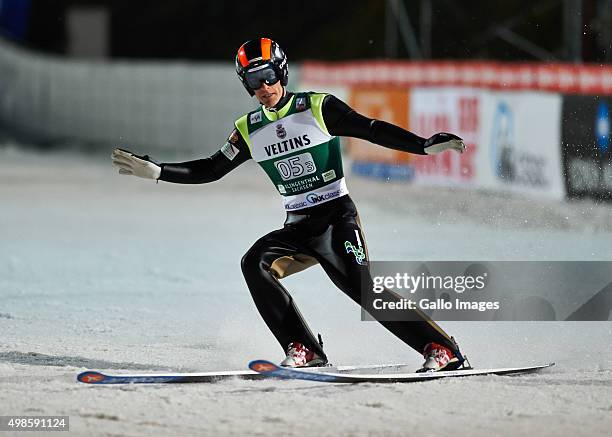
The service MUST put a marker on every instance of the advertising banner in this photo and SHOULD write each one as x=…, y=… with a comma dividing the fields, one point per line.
x=388, y=104
x=521, y=138
x=447, y=109
x=587, y=154
x=513, y=138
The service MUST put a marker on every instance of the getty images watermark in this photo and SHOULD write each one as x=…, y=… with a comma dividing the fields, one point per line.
x=413, y=283
x=503, y=290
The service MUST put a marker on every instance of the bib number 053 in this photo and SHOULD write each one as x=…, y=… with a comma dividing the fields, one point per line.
x=296, y=166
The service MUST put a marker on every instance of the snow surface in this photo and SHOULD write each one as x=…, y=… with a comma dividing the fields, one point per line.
x=108, y=272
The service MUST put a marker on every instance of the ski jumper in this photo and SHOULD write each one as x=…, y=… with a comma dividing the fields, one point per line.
x=297, y=145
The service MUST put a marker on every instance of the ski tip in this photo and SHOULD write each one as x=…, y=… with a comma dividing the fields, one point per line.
x=263, y=366
x=90, y=377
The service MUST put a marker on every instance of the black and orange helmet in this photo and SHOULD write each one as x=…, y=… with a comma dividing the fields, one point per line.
x=261, y=60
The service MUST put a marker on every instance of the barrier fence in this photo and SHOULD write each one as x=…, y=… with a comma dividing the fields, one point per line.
x=181, y=107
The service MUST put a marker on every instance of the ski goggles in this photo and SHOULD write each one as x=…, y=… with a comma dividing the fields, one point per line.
x=262, y=74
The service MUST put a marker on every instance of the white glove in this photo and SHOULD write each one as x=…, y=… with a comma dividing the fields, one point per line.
x=443, y=141
x=130, y=164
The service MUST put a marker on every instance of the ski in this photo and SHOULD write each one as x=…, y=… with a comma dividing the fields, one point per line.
x=270, y=369
x=95, y=377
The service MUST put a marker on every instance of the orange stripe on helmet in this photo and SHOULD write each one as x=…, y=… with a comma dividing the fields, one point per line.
x=266, y=49
x=242, y=57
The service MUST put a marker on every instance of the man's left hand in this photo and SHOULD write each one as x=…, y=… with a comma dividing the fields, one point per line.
x=443, y=141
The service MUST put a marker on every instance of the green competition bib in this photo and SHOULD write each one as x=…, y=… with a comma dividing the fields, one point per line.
x=296, y=151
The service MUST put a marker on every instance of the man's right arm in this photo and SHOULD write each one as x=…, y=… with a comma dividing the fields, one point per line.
x=233, y=153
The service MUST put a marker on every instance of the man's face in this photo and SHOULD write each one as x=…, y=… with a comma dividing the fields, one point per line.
x=269, y=95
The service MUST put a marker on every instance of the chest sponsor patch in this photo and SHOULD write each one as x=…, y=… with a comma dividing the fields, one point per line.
x=329, y=175
x=255, y=118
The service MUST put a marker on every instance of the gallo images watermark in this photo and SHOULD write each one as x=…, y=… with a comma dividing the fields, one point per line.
x=495, y=291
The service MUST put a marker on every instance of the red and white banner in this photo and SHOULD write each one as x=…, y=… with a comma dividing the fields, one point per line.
x=553, y=77
x=447, y=109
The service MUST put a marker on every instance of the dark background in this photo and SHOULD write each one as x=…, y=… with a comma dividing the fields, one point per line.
x=334, y=30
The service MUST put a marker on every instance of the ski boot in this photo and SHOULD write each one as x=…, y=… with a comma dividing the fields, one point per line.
x=439, y=358
x=299, y=355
